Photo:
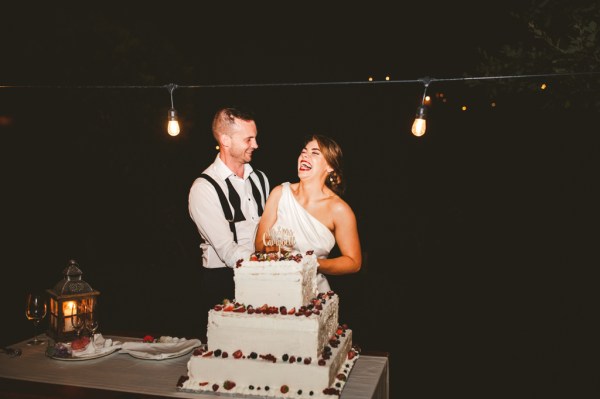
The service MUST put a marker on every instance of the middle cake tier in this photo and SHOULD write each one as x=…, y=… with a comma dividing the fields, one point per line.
x=299, y=332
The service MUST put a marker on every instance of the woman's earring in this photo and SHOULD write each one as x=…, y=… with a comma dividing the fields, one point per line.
x=331, y=177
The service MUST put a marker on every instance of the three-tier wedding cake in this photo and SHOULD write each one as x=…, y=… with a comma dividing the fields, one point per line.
x=278, y=338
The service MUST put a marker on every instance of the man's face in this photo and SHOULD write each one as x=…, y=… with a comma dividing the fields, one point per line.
x=243, y=142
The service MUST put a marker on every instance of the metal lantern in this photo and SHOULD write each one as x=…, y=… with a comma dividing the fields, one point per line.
x=71, y=300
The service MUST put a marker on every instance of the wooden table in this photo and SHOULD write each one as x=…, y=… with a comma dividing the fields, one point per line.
x=121, y=376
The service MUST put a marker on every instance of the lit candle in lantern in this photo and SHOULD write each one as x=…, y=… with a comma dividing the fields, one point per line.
x=69, y=308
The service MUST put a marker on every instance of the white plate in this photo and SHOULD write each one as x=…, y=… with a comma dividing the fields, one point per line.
x=160, y=351
x=105, y=352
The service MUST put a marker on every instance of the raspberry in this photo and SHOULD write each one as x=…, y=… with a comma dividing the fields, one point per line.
x=321, y=362
x=224, y=355
x=284, y=389
x=307, y=360
x=215, y=387
x=237, y=354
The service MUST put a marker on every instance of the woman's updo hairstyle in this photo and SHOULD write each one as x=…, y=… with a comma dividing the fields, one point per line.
x=332, y=153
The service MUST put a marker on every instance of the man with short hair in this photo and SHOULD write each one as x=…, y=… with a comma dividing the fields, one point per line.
x=226, y=203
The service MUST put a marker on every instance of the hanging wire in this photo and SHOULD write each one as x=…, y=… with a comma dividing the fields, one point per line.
x=172, y=86
x=426, y=80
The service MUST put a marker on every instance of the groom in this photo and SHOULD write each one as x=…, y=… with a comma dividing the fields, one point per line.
x=226, y=202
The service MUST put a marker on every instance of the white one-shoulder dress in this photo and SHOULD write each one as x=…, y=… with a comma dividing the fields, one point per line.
x=310, y=233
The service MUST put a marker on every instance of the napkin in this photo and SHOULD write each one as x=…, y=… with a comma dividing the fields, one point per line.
x=164, y=348
x=97, y=346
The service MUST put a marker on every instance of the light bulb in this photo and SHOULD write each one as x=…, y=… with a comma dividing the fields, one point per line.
x=173, y=126
x=420, y=124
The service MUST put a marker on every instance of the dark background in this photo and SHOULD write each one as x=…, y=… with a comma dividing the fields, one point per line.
x=479, y=276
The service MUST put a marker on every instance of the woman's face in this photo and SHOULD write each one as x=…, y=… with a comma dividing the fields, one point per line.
x=311, y=162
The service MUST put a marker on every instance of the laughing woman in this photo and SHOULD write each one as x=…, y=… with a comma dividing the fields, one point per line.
x=313, y=210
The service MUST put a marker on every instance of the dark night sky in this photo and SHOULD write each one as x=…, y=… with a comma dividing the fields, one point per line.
x=476, y=234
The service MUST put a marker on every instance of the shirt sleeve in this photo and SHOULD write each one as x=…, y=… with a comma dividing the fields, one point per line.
x=207, y=213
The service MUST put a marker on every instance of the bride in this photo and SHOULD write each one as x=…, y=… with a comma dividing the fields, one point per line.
x=313, y=210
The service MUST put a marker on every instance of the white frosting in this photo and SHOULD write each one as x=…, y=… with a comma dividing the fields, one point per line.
x=274, y=336
x=276, y=283
x=203, y=372
x=273, y=333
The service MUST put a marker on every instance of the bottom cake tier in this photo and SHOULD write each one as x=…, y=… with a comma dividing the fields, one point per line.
x=267, y=376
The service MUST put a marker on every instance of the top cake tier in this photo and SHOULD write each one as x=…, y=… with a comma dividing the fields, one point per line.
x=288, y=283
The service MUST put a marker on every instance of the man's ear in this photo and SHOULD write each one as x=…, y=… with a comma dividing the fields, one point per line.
x=225, y=140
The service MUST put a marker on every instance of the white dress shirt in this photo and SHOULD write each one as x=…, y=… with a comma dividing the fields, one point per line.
x=218, y=247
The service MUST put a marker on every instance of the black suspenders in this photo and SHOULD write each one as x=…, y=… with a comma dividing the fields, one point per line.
x=234, y=200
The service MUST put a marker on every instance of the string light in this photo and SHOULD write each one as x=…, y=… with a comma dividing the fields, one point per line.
x=420, y=124
x=173, y=126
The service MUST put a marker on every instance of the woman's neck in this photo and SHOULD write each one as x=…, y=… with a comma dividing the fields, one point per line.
x=311, y=189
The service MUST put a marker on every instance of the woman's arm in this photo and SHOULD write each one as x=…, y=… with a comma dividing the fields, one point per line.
x=268, y=218
x=346, y=237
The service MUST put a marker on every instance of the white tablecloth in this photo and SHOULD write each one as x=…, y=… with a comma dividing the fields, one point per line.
x=121, y=372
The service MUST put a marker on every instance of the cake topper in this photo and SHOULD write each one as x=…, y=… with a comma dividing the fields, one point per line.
x=280, y=237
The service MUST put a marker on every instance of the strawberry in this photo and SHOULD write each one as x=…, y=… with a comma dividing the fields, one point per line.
x=228, y=307
x=284, y=389
x=203, y=383
x=228, y=385
x=351, y=354
x=237, y=354
x=291, y=311
x=208, y=354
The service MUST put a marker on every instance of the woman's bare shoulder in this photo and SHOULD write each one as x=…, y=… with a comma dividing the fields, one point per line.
x=339, y=207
